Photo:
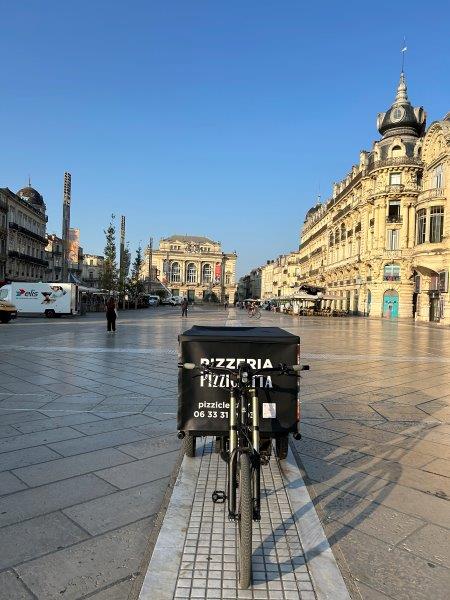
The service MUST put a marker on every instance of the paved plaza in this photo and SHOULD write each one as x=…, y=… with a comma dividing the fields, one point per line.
x=88, y=453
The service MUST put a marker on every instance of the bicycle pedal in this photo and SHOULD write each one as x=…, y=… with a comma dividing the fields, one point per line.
x=219, y=497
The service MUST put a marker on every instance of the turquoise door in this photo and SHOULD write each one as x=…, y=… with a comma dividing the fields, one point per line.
x=390, y=304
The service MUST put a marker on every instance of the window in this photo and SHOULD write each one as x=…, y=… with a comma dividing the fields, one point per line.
x=421, y=226
x=207, y=274
x=396, y=151
x=392, y=239
x=227, y=279
x=438, y=177
x=343, y=230
x=175, y=273
x=394, y=211
x=391, y=273
x=395, y=179
x=191, y=273
x=436, y=224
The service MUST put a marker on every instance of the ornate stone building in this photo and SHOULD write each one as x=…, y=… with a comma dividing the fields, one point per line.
x=25, y=240
x=359, y=245
x=194, y=267
x=3, y=236
x=380, y=246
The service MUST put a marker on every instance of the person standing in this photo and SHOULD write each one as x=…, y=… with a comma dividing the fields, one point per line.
x=111, y=314
x=184, y=307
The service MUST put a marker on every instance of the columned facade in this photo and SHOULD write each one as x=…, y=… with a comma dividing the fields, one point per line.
x=194, y=267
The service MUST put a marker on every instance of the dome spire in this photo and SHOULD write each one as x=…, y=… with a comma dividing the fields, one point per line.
x=402, y=91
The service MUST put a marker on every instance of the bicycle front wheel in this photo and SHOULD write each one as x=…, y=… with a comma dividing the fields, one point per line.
x=245, y=522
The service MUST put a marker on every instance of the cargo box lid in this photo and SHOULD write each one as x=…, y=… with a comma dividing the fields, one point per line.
x=238, y=334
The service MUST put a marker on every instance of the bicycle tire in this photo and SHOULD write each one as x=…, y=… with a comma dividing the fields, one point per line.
x=245, y=522
x=258, y=314
x=189, y=446
x=282, y=447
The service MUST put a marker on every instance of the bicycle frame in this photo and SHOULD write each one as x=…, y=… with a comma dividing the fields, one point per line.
x=239, y=443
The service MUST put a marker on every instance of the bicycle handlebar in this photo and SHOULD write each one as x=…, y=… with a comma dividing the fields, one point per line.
x=282, y=369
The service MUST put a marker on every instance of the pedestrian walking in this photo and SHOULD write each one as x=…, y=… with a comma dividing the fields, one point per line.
x=184, y=307
x=111, y=314
x=225, y=304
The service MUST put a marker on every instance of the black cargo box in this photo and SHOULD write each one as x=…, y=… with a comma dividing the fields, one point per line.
x=203, y=401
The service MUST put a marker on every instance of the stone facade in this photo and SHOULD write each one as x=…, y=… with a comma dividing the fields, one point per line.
x=92, y=270
x=194, y=267
x=3, y=236
x=431, y=254
x=25, y=237
x=380, y=246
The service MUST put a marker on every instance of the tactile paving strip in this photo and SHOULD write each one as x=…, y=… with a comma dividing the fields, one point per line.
x=208, y=568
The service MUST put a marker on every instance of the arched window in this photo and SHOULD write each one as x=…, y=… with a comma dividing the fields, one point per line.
x=331, y=238
x=396, y=151
x=207, y=273
x=336, y=236
x=191, y=273
x=342, y=232
x=175, y=273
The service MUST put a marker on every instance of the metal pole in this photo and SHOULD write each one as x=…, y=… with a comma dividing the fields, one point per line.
x=67, y=198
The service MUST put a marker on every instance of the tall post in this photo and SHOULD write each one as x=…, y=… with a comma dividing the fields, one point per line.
x=150, y=264
x=122, y=258
x=67, y=198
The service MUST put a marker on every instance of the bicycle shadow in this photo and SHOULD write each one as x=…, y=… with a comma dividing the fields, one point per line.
x=359, y=491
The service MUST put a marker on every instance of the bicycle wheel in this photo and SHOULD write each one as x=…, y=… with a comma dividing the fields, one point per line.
x=257, y=314
x=189, y=446
x=245, y=522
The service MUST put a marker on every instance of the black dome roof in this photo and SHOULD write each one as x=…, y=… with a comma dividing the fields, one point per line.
x=402, y=118
x=32, y=196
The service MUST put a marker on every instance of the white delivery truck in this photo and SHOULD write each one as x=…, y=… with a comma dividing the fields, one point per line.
x=49, y=299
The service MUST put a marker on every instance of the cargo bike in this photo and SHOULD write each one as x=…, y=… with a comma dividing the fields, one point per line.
x=240, y=385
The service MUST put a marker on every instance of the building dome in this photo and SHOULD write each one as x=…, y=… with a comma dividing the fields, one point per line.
x=402, y=118
x=32, y=196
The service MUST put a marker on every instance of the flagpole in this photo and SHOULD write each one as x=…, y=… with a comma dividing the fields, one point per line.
x=404, y=49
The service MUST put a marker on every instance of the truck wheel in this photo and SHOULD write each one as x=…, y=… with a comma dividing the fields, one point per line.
x=50, y=314
x=189, y=446
x=282, y=447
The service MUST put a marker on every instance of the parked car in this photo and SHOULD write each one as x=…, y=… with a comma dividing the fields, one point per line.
x=154, y=300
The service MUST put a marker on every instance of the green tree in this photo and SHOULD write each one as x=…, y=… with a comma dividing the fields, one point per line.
x=135, y=283
x=109, y=279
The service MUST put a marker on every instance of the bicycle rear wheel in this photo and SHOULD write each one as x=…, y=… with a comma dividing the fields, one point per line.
x=245, y=522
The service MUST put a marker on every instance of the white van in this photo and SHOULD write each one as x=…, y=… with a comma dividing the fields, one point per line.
x=49, y=299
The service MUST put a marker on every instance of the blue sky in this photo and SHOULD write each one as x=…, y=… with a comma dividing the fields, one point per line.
x=223, y=119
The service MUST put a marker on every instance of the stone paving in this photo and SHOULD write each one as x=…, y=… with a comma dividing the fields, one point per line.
x=209, y=564
x=87, y=450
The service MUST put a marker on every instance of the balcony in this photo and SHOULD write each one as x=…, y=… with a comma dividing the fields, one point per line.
x=394, y=188
x=27, y=258
x=394, y=219
x=28, y=232
x=431, y=194
x=394, y=162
